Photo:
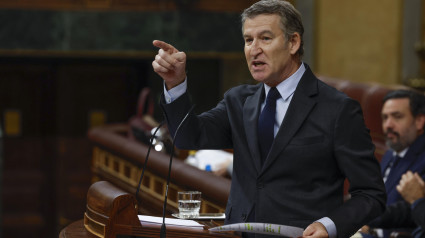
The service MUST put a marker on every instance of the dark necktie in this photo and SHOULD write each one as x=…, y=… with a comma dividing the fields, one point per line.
x=391, y=165
x=266, y=123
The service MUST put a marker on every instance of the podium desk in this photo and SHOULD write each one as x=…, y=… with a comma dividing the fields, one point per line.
x=112, y=213
x=76, y=229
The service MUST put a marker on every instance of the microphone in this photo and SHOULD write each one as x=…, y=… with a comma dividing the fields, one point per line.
x=146, y=159
x=163, y=228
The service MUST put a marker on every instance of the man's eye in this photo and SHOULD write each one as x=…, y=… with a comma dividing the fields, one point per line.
x=266, y=38
x=398, y=115
x=248, y=40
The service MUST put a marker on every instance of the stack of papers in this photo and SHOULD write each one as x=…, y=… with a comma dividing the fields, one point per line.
x=171, y=221
x=262, y=228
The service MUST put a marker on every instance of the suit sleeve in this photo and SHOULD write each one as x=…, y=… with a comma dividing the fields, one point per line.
x=397, y=215
x=209, y=130
x=418, y=214
x=354, y=152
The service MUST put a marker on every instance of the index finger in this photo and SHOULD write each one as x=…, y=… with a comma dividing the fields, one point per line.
x=165, y=46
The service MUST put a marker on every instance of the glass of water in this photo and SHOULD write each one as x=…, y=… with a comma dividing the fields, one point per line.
x=189, y=204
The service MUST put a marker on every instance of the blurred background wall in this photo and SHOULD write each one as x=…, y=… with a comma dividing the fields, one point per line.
x=69, y=65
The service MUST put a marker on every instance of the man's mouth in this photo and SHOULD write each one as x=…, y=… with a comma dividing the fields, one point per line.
x=258, y=63
x=391, y=134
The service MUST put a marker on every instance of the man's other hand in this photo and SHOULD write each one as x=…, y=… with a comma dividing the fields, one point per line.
x=315, y=230
x=411, y=187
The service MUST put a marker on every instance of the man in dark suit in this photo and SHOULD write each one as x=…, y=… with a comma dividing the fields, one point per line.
x=295, y=139
x=403, y=122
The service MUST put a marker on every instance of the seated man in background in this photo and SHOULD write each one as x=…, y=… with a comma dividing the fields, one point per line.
x=403, y=121
x=412, y=188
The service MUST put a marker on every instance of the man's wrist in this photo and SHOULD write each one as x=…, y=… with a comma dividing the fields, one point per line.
x=172, y=85
x=329, y=226
x=176, y=92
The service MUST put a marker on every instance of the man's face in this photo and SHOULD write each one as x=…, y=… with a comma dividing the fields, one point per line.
x=267, y=52
x=399, y=125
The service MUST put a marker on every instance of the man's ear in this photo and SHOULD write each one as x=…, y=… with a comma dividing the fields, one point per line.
x=294, y=43
x=420, y=122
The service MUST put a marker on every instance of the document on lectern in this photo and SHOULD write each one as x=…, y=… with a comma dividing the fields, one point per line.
x=262, y=228
x=171, y=221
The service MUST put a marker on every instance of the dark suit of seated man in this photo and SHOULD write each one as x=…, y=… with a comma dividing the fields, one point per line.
x=403, y=121
x=312, y=137
x=412, y=188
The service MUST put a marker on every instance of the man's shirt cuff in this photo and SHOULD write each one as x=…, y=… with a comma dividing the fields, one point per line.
x=329, y=225
x=175, y=92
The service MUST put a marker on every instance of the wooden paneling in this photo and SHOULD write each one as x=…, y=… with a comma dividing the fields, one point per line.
x=24, y=86
x=73, y=177
x=359, y=40
x=47, y=165
x=85, y=87
x=28, y=188
x=131, y=5
x=420, y=49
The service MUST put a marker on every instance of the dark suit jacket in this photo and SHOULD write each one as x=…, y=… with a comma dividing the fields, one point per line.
x=398, y=212
x=400, y=215
x=414, y=160
x=418, y=215
x=322, y=140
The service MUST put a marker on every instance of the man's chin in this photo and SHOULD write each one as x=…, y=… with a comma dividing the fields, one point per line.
x=396, y=146
x=258, y=78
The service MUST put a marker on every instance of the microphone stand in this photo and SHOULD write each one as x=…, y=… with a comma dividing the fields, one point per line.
x=163, y=227
x=146, y=159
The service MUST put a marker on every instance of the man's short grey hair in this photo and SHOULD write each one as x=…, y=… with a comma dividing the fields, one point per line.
x=290, y=18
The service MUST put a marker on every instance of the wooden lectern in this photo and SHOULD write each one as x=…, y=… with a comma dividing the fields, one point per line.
x=111, y=212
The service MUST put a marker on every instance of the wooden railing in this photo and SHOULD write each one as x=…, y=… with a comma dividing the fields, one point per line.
x=119, y=160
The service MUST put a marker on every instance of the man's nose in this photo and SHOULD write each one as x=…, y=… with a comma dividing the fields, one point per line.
x=388, y=123
x=255, y=48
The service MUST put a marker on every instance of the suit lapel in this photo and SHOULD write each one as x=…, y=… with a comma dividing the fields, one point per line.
x=250, y=118
x=396, y=171
x=408, y=162
x=385, y=161
x=298, y=110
